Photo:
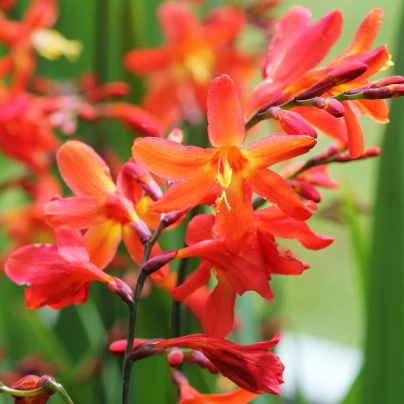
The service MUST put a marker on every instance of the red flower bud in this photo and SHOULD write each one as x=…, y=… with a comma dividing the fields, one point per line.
x=29, y=383
x=372, y=151
x=141, y=230
x=155, y=263
x=336, y=77
x=306, y=190
x=172, y=217
x=121, y=289
x=175, y=357
x=293, y=124
x=330, y=105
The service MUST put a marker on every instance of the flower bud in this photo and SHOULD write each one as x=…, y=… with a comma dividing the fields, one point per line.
x=143, y=177
x=29, y=383
x=306, y=190
x=199, y=359
x=141, y=230
x=175, y=357
x=330, y=105
x=146, y=349
x=172, y=217
x=372, y=151
x=336, y=77
x=121, y=289
x=155, y=263
x=293, y=124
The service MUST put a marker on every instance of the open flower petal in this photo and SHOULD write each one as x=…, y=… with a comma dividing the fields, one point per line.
x=275, y=189
x=102, y=242
x=279, y=147
x=173, y=161
x=141, y=61
x=225, y=116
x=76, y=213
x=83, y=170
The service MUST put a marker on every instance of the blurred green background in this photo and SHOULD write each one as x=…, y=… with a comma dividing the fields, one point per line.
x=352, y=294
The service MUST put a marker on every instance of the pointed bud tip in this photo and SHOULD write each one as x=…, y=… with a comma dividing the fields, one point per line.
x=155, y=263
x=121, y=289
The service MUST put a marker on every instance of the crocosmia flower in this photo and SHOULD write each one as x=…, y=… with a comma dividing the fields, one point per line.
x=29, y=383
x=59, y=275
x=106, y=209
x=290, y=71
x=237, y=172
x=181, y=70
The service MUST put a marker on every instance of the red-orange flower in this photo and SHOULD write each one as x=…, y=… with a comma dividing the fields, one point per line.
x=238, y=172
x=32, y=32
x=180, y=71
x=104, y=208
x=189, y=395
x=60, y=275
x=252, y=367
x=290, y=70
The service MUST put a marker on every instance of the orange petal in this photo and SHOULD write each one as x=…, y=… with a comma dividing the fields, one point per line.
x=76, y=213
x=200, y=228
x=235, y=216
x=225, y=116
x=143, y=61
x=184, y=194
x=279, y=147
x=71, y=246
x=376, y=109
x=238, y=396
x=177, y=21
x=102, y=242
x=275, y=189
x=169, y=159
x=218, y=319
x=366, y=33
x=356, y=143
x=197, y=279
x=83, y=170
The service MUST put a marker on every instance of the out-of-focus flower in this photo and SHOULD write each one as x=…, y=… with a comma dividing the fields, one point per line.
x=25, y=132
x=25, y=224
x=29, y=34
x=180, y=71
x=237, y=171
x=60, y=275
x=110, y=212
x=290, y=71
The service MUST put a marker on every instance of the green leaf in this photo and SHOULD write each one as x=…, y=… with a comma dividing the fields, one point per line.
x=384, y=351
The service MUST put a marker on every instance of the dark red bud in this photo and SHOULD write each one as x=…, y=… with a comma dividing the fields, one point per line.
x=336, y=77
x=294, y=124
x=146, y=349
x=175, y=357
x=377, y=93
x=172, y=217
x=155, y=263
x=45, y=379
x=143, y=178
x=199, y=359
x=306, y=190
x=27, y=383
x=330, y=105
x=141, y=230
x=387, y=81
x=121, y=289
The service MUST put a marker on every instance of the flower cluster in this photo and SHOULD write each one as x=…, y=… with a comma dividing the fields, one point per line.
x=231, y=196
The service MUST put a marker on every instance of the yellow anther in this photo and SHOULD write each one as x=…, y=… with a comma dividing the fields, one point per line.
x=225, y=179
x=52, y=45
x=389, y=63
x=219, y=201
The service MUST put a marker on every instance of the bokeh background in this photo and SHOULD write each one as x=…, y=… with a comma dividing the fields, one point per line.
x=343, y=319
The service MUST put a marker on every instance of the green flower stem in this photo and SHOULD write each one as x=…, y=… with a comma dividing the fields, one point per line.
x=127, y=363
x=48, y=385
